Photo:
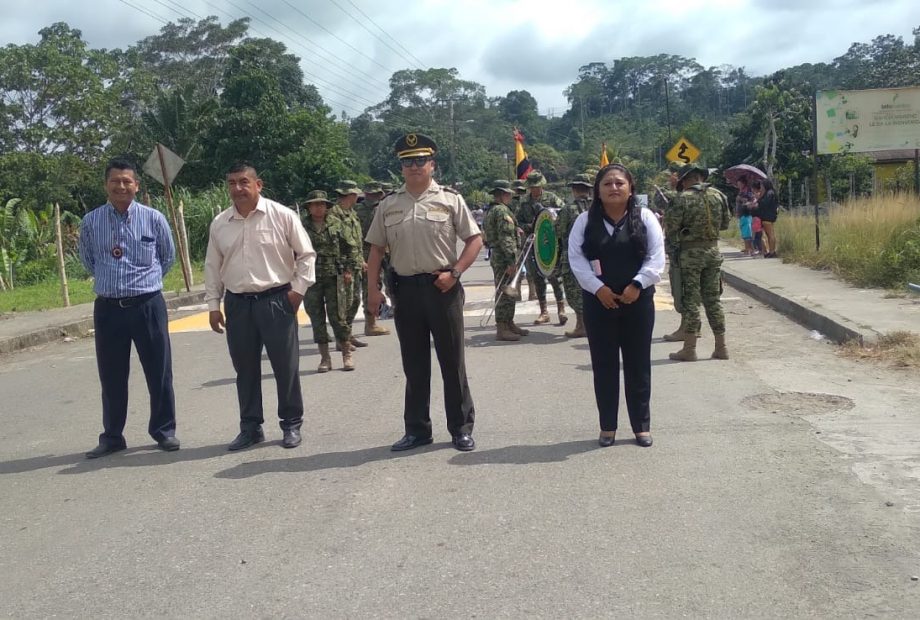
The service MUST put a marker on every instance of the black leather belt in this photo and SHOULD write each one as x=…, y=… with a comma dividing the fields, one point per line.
x=419, y=278
x=129, y=302
x=262, y=294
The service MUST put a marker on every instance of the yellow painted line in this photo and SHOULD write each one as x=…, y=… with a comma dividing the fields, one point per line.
x=199, y=322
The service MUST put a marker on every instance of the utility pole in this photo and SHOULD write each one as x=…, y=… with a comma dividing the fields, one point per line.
x=667, y=104
x=453, y=142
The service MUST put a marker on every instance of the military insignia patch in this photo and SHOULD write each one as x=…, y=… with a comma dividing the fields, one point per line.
x=411, y=139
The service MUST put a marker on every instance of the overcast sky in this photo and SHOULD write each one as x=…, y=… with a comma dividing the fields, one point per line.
x=534, y=45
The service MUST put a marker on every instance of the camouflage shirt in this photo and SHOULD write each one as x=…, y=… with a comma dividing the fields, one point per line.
x=333, y=252
x=697, y=214
x=351, y=227
x=501, y=232
x=529, y=208
x=365, y=212
x=564, y=222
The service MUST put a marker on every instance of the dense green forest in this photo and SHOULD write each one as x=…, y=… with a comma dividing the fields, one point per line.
x=214, y=94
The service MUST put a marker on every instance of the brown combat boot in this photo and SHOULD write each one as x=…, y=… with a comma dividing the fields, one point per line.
x=347, y=362
x=503, y=331
x=679, y=334
x=544, y=315
x=579, y=331
x=688, y=353
x=517, y=329
x=721, y=352
x=325, y=362
x=356, y=343
x=560, y=311
x=346, y=343
x=371, y=328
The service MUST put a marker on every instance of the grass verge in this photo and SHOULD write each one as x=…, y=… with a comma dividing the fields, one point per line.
x=897, y=349
x=46, y=295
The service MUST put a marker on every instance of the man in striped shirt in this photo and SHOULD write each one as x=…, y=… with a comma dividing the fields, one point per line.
x=127, y=247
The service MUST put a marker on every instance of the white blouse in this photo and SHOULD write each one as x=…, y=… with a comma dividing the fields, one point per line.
x=650, y=272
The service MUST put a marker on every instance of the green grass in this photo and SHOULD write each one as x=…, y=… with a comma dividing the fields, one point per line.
x=46, y=295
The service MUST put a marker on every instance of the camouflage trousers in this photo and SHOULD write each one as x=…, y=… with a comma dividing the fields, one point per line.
x=539, y=281
x=358, y=286
x=701, y=272
x=572, y=289
x=504, y=309
x=329, y=297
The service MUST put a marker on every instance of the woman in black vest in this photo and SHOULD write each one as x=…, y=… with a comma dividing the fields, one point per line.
x=616, y=251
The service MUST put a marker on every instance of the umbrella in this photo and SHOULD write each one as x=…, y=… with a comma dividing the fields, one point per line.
x=741, y=171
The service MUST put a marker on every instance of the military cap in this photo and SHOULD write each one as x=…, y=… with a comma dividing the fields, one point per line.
x=317, y=195
x=535, y=179
x=373, y=187
x=581, y=179
x=347, y=187
x=501, y=185
x=703, y=170
x=386, y=187
x=675, y=167
x=518, y=186
x=415, y=145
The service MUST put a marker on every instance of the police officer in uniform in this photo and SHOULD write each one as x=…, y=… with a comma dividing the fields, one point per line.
x=421, y=223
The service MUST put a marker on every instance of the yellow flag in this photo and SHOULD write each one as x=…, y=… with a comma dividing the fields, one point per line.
x=604, y=160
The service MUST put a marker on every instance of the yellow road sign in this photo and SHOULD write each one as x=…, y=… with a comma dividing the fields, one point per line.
x=683, y=152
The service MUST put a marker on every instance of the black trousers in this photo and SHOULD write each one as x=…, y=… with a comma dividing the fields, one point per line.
x=627, y=329
x=424, y=313
x=269, y=321
x=144, y=322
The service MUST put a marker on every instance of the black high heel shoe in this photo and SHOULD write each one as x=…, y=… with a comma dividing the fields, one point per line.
x=605, y=441
x=644, y=441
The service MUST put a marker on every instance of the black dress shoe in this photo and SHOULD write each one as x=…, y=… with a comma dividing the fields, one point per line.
x=103, y=449
x=246, y=439
x=291, y=438
x=644, y=440
x=605, y=441
x=410, y=441
x=168, y=444
x=463, y=442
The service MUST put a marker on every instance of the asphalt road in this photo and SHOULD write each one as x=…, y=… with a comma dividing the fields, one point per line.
x=782, y=483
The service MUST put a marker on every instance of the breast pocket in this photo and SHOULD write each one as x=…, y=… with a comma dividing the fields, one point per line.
x=146, y=250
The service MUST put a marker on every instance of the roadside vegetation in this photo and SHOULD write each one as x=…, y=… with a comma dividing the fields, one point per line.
x=896, y=350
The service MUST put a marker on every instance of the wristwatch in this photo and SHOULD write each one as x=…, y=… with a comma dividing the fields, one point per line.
x=455, y=274
x=637, y=284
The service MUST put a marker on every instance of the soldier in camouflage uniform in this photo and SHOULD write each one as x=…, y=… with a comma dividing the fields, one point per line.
x=531, y=204
x=663, y=198
x=501, y=230
x=581, y=192
x=335, y=267
x=347, y=193
x=693, y=221
x=519, y=191
x=373, y=194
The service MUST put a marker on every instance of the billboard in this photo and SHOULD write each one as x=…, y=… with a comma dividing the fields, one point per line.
x=859, y=121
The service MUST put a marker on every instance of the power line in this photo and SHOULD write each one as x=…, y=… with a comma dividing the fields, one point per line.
x=396, y=41
x=313, y=21
x=144, y=11
x=377, y=36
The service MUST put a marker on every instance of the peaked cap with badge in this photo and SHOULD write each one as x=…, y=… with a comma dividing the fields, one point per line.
x=415, y=145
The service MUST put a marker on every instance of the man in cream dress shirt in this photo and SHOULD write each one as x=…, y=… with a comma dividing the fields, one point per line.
x=261, y=262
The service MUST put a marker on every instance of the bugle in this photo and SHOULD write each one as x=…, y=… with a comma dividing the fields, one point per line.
x=509, y=287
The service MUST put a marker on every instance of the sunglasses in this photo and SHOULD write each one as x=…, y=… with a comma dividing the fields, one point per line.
x=417, y=162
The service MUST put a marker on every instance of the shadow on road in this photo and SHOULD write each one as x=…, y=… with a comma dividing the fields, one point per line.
x=317, y=462
x=525, y=455
x=265, y=377
x=140, y=456
x=535, y=337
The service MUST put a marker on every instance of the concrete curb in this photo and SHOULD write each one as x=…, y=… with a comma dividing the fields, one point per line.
x=837, y=329
x=81, y=327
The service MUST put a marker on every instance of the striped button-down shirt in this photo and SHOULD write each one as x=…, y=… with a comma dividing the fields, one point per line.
x=145, y=244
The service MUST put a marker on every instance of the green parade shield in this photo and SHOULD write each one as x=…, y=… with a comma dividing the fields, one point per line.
x=545, y=242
